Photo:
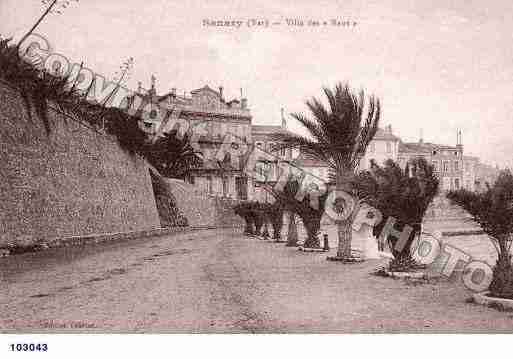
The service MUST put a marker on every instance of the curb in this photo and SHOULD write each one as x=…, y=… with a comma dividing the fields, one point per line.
x=484, y=298
x=463, y=233
x=104, y=238
x=405, y=275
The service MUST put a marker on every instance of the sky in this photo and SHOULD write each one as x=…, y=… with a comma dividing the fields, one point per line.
x=436, y=66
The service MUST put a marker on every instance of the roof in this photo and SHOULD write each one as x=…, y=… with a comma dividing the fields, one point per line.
x=206, y=88
x=268, y=130
x=384, y=135
x=416, y=147
x=307, y=160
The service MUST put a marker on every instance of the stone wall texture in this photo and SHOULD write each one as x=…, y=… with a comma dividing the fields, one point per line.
x=201, y=209
x=72, y=181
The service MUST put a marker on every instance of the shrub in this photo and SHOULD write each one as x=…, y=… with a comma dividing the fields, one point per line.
x=493, y=210
x=403, y=194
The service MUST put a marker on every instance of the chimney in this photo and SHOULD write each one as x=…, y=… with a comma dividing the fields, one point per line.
x=283, y=120
x=153, y=82
x=221, y=92
x=244, y=103
x=173, y=91
x=389, y=129
x=139, y=87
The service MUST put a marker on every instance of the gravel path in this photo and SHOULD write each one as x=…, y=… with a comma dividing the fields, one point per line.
x=218, y=281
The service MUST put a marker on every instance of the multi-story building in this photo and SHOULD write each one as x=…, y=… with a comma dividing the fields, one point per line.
x=270, y=156
x=470, y=168
x=221, y=120
x=447, y=161
x=227, y=178
x=384, y=146
x=207, y=109
x=485, y=174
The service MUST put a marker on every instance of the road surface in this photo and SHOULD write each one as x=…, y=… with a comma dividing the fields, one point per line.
x=221, y=282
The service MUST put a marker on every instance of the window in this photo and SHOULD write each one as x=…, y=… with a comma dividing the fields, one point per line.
x=372, y=147
x=446, y=166
x=260, y=145
x=225, y=186
x=456, y=183
x=435, y=165
x=209, y=184
x=456, y=166
x=434, y=152
x=389, y=147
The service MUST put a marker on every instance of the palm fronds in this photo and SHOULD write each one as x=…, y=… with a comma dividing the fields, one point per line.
x=339, y=134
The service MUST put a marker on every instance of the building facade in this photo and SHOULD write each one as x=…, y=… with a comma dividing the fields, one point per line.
x=269, y=156
x=227, y=178
x=218, y=121
x=448, y=161
x=384, y=146
x=214, y=121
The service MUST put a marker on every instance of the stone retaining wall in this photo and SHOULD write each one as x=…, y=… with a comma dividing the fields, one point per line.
x=72, y=181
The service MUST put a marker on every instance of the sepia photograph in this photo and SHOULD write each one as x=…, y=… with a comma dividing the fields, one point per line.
x=255, y=167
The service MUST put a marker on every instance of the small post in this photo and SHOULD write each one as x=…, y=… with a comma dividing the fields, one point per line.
x=326, y=243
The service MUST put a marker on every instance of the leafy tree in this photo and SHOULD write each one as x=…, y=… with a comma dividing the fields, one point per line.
x=493, y=210
x=401, y=194
x=339, y=136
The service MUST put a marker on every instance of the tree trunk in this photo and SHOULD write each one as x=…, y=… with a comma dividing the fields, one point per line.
x=312, y=225
x=345, y=233
x=292, y=232
x=344, y=227
x=248, y=230
x=277, y=226
x=265, y=232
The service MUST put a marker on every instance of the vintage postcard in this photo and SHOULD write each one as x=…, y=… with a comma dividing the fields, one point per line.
x=239, y=167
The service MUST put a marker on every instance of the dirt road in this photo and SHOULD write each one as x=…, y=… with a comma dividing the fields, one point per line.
x=220, y=282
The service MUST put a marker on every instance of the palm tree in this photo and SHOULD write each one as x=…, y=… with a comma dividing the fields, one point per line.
x=309, y=214
x=339, y=136
x=174, y=156
x=401, y=194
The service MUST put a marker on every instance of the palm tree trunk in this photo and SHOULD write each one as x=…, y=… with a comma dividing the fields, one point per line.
x=344, y=227
x=292, y=231
x=345, y=234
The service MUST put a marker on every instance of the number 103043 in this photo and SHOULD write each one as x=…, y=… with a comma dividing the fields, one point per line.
x=28, y=347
